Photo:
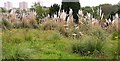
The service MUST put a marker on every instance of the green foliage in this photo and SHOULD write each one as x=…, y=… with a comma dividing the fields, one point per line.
x=50, y=44
x=107, y=9
x=48, y=25
x=36, y=44
x=88, y=45
x=96, y=43
x=86, y=10
x=41, y=13
x=54, y=9
x=15, y=52
x=73, y=5
x=39, y=10
x=1, y=46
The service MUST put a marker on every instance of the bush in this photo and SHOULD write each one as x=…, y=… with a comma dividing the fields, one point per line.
x=91, y=44
x=49, y=25
x=88, y=46
x=7, y=24
x=53, y=37
x=16, y=51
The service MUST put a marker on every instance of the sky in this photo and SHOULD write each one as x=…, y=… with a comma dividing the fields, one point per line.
x=48, y=3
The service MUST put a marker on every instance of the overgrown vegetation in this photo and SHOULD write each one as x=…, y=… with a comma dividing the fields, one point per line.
x=54, y=40
x=54, y=9
x=41, y=12
x=97, y=43
x=51, y=44
x=36, y=44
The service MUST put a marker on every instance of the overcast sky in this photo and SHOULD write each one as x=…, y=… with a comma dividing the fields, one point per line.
x=50, y=2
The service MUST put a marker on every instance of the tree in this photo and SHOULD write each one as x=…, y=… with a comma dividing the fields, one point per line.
x=109, y=10
x=54, y=9
x=39, y=11
x=86, y=10
x=75, y=6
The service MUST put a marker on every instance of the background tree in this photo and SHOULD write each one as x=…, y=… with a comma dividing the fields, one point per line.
x=86, y=10
x=92, y=10
x=75, y=6
x=39, y=10
x=54, y=9
x=108, y=9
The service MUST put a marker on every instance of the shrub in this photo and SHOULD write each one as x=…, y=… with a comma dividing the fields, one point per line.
x=49, y=25
x=7, y=23
x=91, y=44
x=87, y=46
x=53, y=37
x=111, y=49
x=16, y=51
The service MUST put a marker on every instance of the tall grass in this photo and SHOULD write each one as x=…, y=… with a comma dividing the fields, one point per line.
x=53, y=41
x=96, y=43
x=6, y=24
x=36, y=44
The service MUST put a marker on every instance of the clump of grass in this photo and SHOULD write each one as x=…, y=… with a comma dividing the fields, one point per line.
x=88, y=46
x=93, y=44
x=49, y=25
x=15, y=51
x=6, y=24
